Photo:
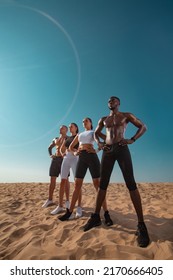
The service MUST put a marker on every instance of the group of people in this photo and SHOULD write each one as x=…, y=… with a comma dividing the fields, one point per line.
x=77, y=152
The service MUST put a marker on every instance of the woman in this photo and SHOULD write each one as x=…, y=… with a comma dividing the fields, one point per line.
x=87, y=159
x=69, y=162
x=55, y=167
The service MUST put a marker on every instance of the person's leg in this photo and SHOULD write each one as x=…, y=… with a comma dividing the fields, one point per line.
x=52, y=187
x=79, y=205
x=80, y=199
x=125, y=163
x=81, y=170
x=75, y=196
x=77, y=190
x=136, y=200
x=61, y=191
x=106, y=168
x=73, y=167
x=96, y=183
x=142, y=232
x=59, y=207
x=54, y=172
x=67, y=191
x=126, y=166
x=101, y=195
x=65, y=185
x=63, y=169
x=108, y=220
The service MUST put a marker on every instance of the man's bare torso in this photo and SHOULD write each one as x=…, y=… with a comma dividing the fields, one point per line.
x=115, y=125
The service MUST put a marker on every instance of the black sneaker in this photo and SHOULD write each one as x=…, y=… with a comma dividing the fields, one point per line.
x=108, y=220
x=142, y=233
x=94, y=221
x=66, y=216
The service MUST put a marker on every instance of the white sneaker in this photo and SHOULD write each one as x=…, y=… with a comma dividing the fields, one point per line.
x=57, y=210
x=67, y=204
x=79, y=212
x=72, y=216
x=47, y=203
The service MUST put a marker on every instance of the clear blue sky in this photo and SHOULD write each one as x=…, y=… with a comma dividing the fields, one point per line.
x=60, y=61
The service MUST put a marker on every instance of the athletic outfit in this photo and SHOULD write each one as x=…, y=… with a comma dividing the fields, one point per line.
x=55, y=167
x=123, y=157
x=87, y=160
x=111, y=153
x=69, y=160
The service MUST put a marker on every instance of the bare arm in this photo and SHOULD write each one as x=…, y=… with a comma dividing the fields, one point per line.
x=138, y=123
x=51, y=146
x=73, y=144
x=102, y=136
x=98, y=134
x=141, y=129
x=63, y=148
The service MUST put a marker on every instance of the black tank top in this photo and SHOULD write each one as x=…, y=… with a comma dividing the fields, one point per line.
x=69, y=140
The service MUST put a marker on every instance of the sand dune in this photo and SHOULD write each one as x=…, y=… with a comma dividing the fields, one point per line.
x=29, y=232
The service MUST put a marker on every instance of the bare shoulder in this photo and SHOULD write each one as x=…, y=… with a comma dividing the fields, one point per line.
x=128, y=115
x=53, y=143
x=133, y=119
x=59, y=140
x=55, y=140
x=101, y=121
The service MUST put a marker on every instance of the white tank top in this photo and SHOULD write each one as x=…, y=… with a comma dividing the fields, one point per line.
x=86, y=137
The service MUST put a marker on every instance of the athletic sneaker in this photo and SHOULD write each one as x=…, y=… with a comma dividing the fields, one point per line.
x=67, y=204
x=57, y=210
x=79, y=212
x=67, y=216
x=142, y=233
x=108, y=220
x=94, y=221
x=47, y=203
x=72, y=216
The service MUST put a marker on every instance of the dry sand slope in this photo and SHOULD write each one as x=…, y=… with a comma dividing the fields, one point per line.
x=27, y=231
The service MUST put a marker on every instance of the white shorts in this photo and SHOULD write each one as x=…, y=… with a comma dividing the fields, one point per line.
x=69, y=161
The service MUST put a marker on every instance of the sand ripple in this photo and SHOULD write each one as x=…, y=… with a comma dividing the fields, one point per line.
x=30, y=232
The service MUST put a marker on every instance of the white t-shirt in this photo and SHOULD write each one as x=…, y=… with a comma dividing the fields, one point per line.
x=86, y=137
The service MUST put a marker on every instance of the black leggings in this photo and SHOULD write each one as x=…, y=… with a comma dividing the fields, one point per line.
x=123, y=157
x=88, y=160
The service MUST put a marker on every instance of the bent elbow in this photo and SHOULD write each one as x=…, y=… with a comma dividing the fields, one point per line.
x=70, y=148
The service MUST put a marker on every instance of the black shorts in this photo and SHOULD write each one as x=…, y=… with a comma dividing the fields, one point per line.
x=55, y=167
x=123, y=157
x=88, y=160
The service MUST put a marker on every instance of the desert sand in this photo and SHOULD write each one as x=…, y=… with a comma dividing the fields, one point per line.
x=30, y=232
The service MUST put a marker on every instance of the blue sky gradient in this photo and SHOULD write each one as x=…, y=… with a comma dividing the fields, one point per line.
x=60, y=61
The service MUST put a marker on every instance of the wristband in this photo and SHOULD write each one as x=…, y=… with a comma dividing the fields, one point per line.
x=133, y=139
